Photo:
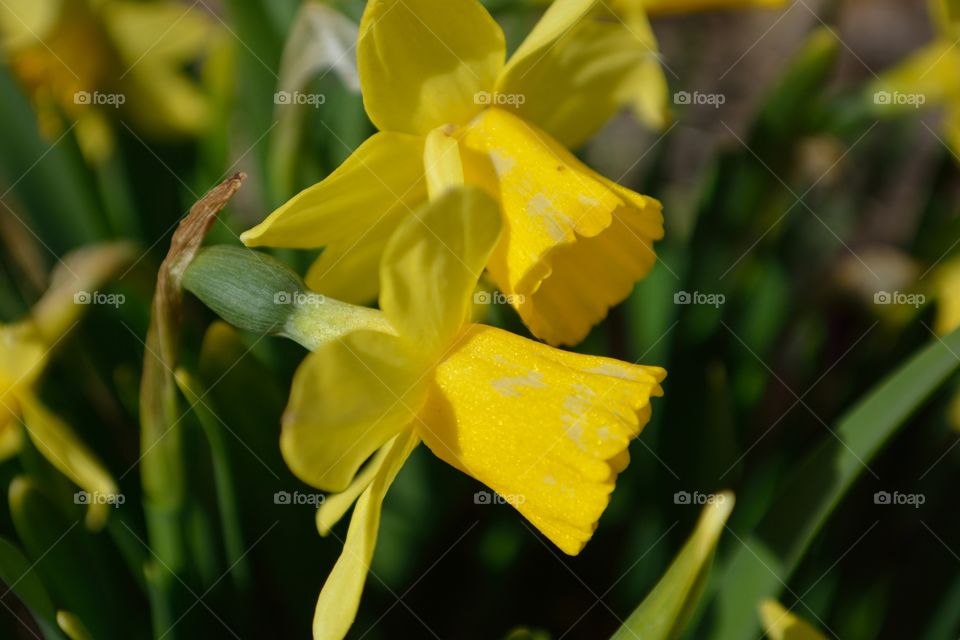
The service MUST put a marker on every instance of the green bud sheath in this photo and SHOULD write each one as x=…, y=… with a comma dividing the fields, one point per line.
x=256, y=292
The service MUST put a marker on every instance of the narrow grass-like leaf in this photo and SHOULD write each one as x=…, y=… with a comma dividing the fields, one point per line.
x=665, y=612
x=762, y=565
x=18, y=576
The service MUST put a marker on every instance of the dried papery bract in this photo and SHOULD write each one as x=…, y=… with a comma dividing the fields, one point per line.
x=161, y=457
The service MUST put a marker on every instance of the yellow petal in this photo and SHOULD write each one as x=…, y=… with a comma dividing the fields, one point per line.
x=349, y=269
x=61, y=447
x=780, y=624
x=441, y=162
x=382, y=179
x=348, y=398
x=933, y=72
x=575, y=84
x=74, y=281
x=546, y=429
x=423, y=62
x=26, y=22
x=947, y=288
x=561, y=17
x=11, y=435
x=336, y=505
x=432, y=264
x=340, y=596
x=23, y=356
x=646, y=90
x=574, y=243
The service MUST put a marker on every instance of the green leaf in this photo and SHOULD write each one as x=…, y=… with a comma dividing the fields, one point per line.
x=17, y=575
x=65, y=559
x=665, y=612
x=766, y=559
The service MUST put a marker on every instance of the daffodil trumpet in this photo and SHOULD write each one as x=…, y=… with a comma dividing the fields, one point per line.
x=546, y=429
x=451, y=111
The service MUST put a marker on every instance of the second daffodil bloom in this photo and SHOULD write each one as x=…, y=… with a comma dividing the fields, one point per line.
x=930, y=77
x=88, y=59
x=546, y=428
x=25, y=348
x=450, y=110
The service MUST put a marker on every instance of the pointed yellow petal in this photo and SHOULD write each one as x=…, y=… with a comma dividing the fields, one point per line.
x=576, y=84
x=424, y=62
x=441, y=161
x=780, y=624
x=546, y=429
x=23, y=356
x=340, y=596
x=933, y=72
x=336, y=505
x=73, y=282
x=574, y=243
x=58, y=444
x=11, y=435
x=349, y=269
x=946, y=284
x=559, y=19
x=348, y=398
x=432, y=265
x=383, y=178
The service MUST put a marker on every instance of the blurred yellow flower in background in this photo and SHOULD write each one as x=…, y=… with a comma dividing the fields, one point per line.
x=547, y=430
x=930, y=77
x=632, y=74
x=450, y=111
x=86, y=59
x=25, y=348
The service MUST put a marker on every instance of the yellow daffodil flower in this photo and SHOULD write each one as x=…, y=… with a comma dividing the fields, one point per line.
x=546, y=429
x=88, y=59
x=930, y=77
x=450, y=110
x=25, y=348
x=780, y=624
